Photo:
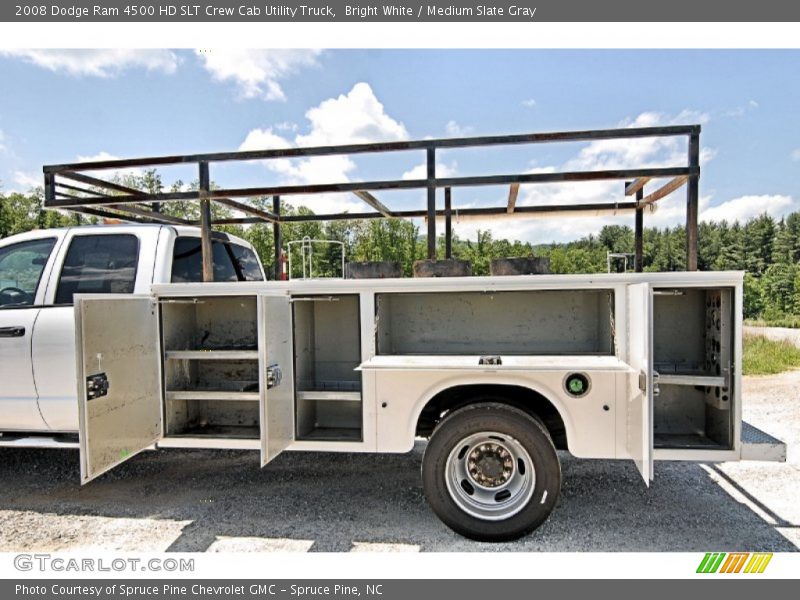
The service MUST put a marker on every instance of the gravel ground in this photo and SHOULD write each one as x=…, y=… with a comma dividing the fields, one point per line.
x=778, y=334
x=220, y=501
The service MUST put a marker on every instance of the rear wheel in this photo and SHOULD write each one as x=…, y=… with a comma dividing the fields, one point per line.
x=490, y=472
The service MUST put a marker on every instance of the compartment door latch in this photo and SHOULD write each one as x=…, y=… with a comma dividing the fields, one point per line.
x=274, y=376
x=643, y=382
x=96, y=386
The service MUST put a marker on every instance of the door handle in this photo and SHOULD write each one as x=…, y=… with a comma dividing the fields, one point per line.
x=11, y=332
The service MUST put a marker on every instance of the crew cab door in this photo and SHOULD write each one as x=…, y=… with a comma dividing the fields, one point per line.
x=119, y=379
x=640, y=358
x=24, y=265
x=277, y=374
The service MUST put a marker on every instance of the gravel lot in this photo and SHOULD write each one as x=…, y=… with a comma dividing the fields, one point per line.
x=214, y=501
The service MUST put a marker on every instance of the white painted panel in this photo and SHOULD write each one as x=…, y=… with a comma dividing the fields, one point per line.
x=277, y=403
x=18, y=409
x=117, y=335
x=640, y=402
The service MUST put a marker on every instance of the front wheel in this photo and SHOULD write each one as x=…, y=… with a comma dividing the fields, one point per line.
x=490, y=472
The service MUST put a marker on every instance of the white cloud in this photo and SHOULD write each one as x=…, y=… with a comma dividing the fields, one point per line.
x=442, y=170
x=286, y=126
x=3, y=147
x=102, y=155
x=97, y=62
x=598, y=155
x=352, y=118
x=257, y=73
x=26, y=180
x=740, y=111
x=110, y=173
x=529, y=103
x=453, y=129
x=795, y=153
x=746, y=207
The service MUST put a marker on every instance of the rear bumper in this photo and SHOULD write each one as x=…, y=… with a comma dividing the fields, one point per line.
x=759, y=445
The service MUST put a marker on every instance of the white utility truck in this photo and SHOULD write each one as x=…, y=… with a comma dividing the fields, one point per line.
x=497, y=372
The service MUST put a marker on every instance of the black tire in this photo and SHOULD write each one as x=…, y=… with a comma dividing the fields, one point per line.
x=523, y=430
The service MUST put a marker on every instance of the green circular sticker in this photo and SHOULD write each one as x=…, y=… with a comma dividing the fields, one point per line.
x=577, y=384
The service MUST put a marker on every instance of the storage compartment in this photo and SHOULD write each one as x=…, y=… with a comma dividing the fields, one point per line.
x=211, y=367
x=204, y=324
x=331, y=420
x=511, y=323
x=327, y=344
x=213, y=418
x=683, y=419
x=693, y=333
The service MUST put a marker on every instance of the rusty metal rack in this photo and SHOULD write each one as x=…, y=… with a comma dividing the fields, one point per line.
x=65, y=186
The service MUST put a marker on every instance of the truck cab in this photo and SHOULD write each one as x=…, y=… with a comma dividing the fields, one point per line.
x=41, y=271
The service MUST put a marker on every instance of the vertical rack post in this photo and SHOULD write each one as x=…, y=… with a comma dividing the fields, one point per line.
x=431, y=203
x=276, y=233
x=448, y=224
x=692, y=200
x=638, y=234
x=205, y=223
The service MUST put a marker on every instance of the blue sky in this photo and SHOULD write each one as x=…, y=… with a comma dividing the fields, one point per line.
x=59, y=106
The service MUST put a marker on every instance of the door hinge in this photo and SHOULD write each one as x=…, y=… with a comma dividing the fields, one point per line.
x=96, y=386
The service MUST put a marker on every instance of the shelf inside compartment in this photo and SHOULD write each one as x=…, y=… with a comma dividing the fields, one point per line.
x=218, y=395
x=699, y=379
x=327, y=353
x=215, y=375
x=210, y=417
x=239, y=432
x=329, y=396
x=202, y=324
x=684, y=417
x=681, y=441
x=693, y=355
x=329, y=419
x=228, y=355
x=332, y=434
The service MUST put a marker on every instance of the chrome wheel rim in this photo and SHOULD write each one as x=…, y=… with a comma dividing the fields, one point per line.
x=490, y=476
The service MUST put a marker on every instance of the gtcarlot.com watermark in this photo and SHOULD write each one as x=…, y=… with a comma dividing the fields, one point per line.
x=56, y=564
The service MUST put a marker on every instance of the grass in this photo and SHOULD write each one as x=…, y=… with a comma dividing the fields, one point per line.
x=792, y=321
x=768, y=357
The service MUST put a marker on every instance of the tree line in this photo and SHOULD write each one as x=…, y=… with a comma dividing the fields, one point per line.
x=767, y=249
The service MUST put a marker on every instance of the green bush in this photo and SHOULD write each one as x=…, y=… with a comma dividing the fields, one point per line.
x=767, y=357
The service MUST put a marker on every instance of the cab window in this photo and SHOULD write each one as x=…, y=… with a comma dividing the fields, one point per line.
x=98, y=264
x=231, y=262
x=21, y=267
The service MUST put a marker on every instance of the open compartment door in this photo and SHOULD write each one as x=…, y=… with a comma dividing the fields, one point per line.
x=640, y=404
x=119, y=379
x=275, y=340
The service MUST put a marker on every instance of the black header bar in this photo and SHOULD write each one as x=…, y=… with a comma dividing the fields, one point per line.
x=418, y=11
